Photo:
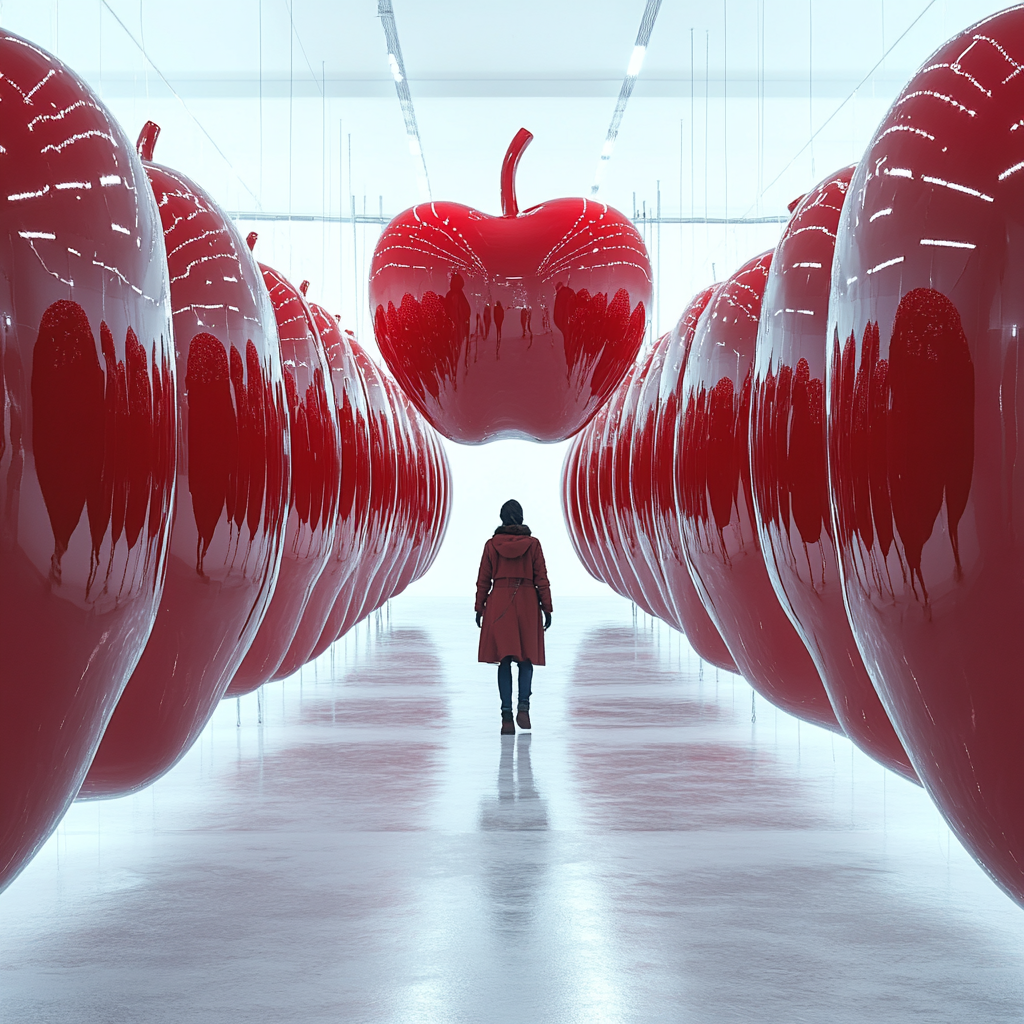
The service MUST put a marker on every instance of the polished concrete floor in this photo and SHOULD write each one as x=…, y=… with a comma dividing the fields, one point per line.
x=359, y=844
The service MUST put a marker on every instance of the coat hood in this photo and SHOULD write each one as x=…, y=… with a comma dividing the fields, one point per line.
x=511, y=545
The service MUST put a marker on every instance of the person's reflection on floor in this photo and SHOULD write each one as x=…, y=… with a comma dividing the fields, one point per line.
x=518, y=805
x=515, y=867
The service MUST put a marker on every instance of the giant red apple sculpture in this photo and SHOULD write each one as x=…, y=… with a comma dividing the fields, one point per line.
x=719, y=535
x=232, y=488
x=789, y=471
x=87, y=433
x=926, y=429
x=513, y=326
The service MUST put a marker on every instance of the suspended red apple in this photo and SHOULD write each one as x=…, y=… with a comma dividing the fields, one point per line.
x=87, y=433
x=789, y=467
x=350, y=530
x=925, y=398
x=513, y=326
x=719, y=534
x=316, y=480
x=232, y=488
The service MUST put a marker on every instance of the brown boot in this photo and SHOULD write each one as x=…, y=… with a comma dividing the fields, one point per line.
x=523, y=718
x=507, y=726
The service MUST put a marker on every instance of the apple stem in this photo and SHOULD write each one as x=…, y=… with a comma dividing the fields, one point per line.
x=509, y=206
x=250, y=240
x=304, y=287
x=147, y=140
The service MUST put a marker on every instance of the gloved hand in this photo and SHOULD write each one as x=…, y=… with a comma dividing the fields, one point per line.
x=547, y=620
x=479, y=620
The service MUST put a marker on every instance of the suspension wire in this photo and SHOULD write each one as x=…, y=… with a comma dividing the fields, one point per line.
x=128, y=32
x=927, y=7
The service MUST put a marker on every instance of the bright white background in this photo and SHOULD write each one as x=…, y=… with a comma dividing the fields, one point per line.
x=288, y=108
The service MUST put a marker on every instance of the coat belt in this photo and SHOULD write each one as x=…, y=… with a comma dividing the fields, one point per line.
x=511, y=581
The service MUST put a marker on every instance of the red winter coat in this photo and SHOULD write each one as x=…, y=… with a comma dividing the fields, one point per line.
x=511, y=589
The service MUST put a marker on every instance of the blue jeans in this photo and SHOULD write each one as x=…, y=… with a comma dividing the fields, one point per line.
x=505, y=684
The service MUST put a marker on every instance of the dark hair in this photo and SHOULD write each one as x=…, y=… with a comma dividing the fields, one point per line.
x=512, y=513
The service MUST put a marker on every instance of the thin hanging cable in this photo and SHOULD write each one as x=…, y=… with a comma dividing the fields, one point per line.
x=707, y=80
x=142, y=37
x=725, y=107
x=824, y=124
x=291, y=102
x=760, y=96
x=260, y=5
x=810, y=79
x=636, y=61
x=341, y=210
x=323, y=176
x=386, y=14
x=302, y=48
x=174, y=93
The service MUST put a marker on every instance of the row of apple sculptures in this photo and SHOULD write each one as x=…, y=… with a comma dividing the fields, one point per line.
x=191, y=502
x=830, y=441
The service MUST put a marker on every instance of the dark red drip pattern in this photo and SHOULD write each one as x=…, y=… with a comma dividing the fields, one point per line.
x=212, y=437
x=791, y=479
x=904, y=432
x=99, y=434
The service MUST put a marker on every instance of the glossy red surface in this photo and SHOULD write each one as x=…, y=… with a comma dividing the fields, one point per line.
x=572, y=513
x=232, y=489
x=640, y=583
x=512, y=326
x=584, y=537
x=87, y=433
x=719, y=535
x=602, y=495
x=593, y=531
x=789, y=468
x=367, y=581
x=440, y=506
x=925, y=396
x=640, y=510
x=350, y=530
x=316, y=481
x=689, y=609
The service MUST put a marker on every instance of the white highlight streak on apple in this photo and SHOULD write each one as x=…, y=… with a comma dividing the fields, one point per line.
x=947, y=243
x=887, y=263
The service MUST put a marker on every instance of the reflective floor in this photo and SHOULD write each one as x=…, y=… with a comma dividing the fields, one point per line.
x=359, y=844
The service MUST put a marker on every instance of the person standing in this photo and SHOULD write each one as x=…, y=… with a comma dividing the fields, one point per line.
x=512, y=592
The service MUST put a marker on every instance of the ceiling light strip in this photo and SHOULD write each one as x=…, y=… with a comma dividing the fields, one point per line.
x=636, y=61
x=396, y=64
